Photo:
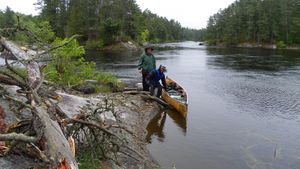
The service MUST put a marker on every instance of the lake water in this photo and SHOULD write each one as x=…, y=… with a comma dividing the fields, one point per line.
x=244, y=107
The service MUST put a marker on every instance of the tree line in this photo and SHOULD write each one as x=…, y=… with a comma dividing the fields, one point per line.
x=256, y=21
x=104, y=22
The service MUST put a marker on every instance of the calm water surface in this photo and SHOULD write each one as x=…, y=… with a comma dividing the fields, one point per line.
x=244, y=107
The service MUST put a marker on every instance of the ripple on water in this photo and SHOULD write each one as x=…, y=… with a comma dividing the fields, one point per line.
x=262, y=96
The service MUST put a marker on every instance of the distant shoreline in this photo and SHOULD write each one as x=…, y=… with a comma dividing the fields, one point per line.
x=257, y=46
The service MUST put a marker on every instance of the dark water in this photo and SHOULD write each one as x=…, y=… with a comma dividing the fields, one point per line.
x=244, y=108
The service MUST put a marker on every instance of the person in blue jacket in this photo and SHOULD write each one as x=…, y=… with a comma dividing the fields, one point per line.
x=154, y=79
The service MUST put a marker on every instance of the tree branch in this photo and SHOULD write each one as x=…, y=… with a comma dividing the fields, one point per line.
x=18, y=137
x=7, y=80
x=18, y=101
x=91, y=124
x=12, y=79
x=13, y=70
x=59, y=46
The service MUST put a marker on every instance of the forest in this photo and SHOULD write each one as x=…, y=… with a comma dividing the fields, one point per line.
x=101, y=22
x=257, y=22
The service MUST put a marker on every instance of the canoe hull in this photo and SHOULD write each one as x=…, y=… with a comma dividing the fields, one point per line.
x=182, y=108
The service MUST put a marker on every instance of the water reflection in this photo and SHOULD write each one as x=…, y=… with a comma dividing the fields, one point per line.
x=253, y=60
x=178, y=120
x=156, y=126
x=102, y=57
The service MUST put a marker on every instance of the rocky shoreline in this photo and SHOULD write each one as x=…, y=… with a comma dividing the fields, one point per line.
x=131, y=110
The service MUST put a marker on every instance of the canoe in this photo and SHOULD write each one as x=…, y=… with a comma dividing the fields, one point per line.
x=176, y=96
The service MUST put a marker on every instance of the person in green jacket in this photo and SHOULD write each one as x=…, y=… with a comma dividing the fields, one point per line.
x=147, y=64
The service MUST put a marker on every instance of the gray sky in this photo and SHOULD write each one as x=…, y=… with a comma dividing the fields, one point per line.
x=190, y=13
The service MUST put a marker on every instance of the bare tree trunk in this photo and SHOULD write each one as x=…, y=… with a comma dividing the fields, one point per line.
x=57, y=146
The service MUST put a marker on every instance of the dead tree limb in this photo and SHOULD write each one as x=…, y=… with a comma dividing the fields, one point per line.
x=59, y=46
x=57, y=147
x=7, y=80
x=18, y=101
x=13, y=70
x=136, y=92
x=18, y=137
x=34, y=73
x=158, y=100
x=146, y=96
x=91, y=124
x=48, y=131
x=13, y=78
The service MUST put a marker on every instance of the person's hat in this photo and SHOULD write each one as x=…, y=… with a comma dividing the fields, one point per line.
x=149, y=47
x=163, y=68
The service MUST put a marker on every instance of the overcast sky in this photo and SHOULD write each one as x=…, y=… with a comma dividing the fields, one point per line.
x=190, y=13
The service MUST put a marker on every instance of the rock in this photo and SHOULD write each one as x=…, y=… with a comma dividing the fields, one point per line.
x=71, y=104
x=130, y=46
x=10, y=109
x=139, y=86
x=10, y=115
x=93, y=82
x=108, y=117
x=146, y=44
x=132, y=112
x=86, y=88
x=16, y=162
x=34, y=47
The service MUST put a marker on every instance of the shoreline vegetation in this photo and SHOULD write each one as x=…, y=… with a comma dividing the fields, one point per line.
x=104, y=24
x=258, y=46
x=250, y=22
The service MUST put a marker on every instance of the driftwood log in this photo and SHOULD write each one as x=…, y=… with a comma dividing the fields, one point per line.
x=147, y=96
x=48, y=131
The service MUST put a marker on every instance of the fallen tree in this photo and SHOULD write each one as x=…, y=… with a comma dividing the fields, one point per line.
x=48, y=139
x=48, y=131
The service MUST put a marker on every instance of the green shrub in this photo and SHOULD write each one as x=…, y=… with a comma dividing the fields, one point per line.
x=211, y=42
x=69, y=68
x=281, y=45
x=156, y=40
x=87, y=160
x=94, y=44
x=144, y=36
x=108, y=82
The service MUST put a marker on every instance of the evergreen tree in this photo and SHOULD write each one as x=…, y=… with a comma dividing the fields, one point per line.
x=8, y=19
x=256, y=21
